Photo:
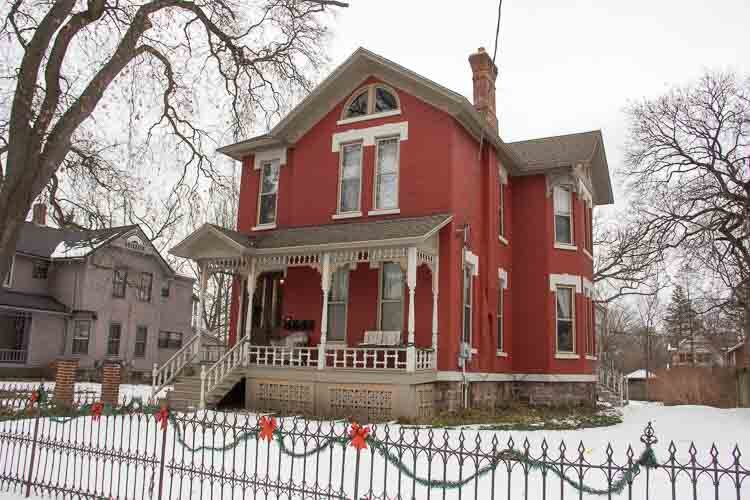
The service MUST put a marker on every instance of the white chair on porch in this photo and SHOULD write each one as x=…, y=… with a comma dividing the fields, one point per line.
x=382, y=338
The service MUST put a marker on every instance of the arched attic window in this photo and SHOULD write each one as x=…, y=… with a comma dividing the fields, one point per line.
x=371, y=100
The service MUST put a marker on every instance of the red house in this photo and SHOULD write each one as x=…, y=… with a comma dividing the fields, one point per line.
x=402, y=259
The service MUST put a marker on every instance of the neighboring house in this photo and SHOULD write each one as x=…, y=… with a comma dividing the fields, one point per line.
x=637, y=385
x=90, y=295
x=738, y=356
x=422, y=262
x=697, y=351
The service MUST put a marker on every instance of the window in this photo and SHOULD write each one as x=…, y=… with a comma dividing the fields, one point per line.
x=141, y=334
x=391, y=308
x=269, y=187
x=165, y=289
x=501, y=210
x=563, y=215
x=144, y=288
x=40, y=270
x=119, y=281
x=500, y=304
x=81, y=336
x=337, y=300
x=113, y=342
x=467, y=298
x=170, y=340
x=9, y=277
x=565, y=319
x=350, y=178
x=386, y=174
x=371, y=100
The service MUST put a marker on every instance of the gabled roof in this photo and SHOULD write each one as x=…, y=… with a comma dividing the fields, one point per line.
x=53, y=243
x=639, y=375
x=346, y=78
x=65, y=244
x=566, y=150
x=400, y=231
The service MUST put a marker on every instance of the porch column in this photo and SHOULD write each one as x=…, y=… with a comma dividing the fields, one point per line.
x=435, y=293
x=325, y=285
x=203, y=283
x=411, y=282
x=252, y=280
x=238, y=326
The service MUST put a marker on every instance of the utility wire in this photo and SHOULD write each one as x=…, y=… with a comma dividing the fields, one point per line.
x=497, y=30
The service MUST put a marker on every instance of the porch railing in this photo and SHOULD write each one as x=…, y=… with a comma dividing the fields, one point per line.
x=300, y=357
x=225, y=366
x=614, y=381
x=164, y=375
x=13, y=355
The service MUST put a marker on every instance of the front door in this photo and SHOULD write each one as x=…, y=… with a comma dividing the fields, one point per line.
x=267, y=305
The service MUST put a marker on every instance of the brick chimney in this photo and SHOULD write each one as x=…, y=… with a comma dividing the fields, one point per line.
x=484, y=75
x=39, y=214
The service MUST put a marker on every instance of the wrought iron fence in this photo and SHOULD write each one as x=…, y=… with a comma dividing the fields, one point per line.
x=144, y=451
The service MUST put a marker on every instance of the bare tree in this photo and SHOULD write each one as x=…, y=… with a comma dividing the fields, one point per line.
x=67, y=58
x=688, y=165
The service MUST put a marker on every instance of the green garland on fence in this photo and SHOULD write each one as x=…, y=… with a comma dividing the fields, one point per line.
x=646, y=459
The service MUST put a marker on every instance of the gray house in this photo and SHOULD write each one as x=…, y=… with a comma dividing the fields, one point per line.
x=90, y=295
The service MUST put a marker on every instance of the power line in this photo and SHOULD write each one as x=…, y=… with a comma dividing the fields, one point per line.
x=497, y=30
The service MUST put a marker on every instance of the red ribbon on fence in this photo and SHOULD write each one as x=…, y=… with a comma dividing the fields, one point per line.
x=96, y=411
x=358, y=434
x=162, y=417
x=267, y=427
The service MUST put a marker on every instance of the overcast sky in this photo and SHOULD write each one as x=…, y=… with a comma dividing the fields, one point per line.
x=565, y=66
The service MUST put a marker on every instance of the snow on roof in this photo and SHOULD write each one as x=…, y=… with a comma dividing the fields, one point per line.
x=639, y=375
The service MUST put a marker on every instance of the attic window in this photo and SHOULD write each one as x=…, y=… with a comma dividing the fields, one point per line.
x=371, y=100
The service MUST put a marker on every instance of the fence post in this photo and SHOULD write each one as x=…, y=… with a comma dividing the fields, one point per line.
x=356, y=476
x=33, y=454
x=162, y=459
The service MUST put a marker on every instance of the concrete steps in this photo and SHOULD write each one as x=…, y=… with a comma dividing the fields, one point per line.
x=187, y=390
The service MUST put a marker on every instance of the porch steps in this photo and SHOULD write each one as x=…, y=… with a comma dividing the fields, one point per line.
x=608, y=396
x=187, y=391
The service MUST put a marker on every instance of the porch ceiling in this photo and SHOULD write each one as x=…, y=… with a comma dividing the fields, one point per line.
x=214, y=242
x=19, y=301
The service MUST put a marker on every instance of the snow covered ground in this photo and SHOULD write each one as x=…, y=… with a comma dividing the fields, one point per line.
x=127, y=391
x=702, y=426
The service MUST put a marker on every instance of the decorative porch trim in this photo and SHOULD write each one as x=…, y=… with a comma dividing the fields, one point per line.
x=457, y=376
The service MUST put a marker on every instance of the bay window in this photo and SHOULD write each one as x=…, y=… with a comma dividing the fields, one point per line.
x=350, y=178
x=562, y=201
x=386, y=174
x=268, y=198
x=565, y=320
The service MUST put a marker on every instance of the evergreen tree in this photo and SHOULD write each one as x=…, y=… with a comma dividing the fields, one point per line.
x=681, y=321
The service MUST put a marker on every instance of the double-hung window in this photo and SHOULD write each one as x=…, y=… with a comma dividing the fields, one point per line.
x=144, y=288
x=81, y=336
x=563, y=215
x=565, y=299
x=268, y=197
x=467, y=303
x=501, y=210
x=500, y=305
x=391, y=297
x=113, y=342
x=386, y=174
x=337, y=300
x=119, y=282
x=170, y=340
x=141, y=335
x=350, y=178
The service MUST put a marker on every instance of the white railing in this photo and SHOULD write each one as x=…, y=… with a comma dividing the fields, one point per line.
x=426, y=359
x=13, y=355
x=615, y=382
x=165, y=374
x=215, y=375
x=375, y=358
x=297, y=357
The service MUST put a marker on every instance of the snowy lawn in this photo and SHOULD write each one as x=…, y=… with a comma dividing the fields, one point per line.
x=684, y=425
x=89, y=389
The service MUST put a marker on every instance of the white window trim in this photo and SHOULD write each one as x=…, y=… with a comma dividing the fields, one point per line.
x=8, y=283
x=502, y=276
x=473, y=260
x=566, y=354
x=260, y=195
x=563, y=245
x=378, y=140
x=500, y=315
x=262, y=157
x=572, y=280
x=389, y=211
x=367, y=136
x=352, y=213
x=263, y=227
x=587, y=254
x=374, y=116
x=380, y=297
x=345, y=302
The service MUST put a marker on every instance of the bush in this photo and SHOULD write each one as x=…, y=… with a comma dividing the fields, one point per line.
x=695, y=386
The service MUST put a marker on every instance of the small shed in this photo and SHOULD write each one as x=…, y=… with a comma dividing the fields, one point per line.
x=637, y=384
